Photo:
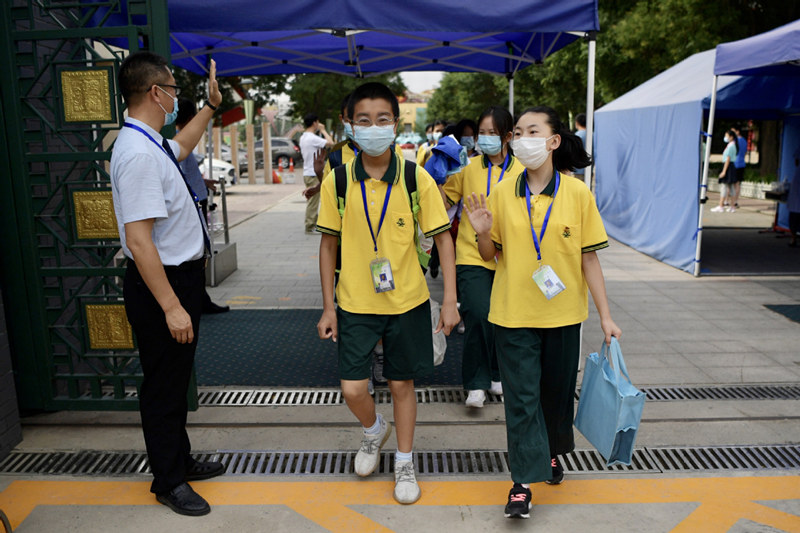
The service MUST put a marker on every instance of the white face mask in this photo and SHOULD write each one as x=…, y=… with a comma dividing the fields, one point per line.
x=531, y=151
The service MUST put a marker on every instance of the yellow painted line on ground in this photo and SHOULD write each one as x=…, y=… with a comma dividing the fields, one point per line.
x=723, y=501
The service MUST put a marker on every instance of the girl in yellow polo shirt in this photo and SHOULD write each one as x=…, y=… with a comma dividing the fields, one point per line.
x=547, y=229
x=474, y=276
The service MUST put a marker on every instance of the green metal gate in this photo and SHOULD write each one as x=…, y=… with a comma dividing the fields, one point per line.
x=72, y=347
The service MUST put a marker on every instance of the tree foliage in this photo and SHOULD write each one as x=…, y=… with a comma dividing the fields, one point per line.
x=639, y=39
x=323, y=93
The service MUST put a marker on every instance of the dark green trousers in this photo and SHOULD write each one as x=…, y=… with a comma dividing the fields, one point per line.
x=539, y=367
x=479, y=360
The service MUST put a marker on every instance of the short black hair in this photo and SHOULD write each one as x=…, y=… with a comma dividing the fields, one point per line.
x=139, y=72
x=463, y=124
x=581, y=120
x=429, y=126
x=310, y=119
x=186, y=111
x=374, y=91
x=343, y=107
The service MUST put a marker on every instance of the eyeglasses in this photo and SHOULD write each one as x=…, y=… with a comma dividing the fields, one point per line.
x=383, y=120
x=175, y=87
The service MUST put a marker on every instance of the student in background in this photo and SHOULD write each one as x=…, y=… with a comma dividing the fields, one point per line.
x=474, y=275
x=310, y=144
x=727, y=177
x=436, y=134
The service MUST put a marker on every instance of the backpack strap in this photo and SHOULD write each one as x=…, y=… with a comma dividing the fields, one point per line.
x=335, y=155
x=340, y=176
x=410, y=170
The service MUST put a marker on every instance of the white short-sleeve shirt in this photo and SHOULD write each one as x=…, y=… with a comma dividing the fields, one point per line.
x=309, y=145
x=145, y=183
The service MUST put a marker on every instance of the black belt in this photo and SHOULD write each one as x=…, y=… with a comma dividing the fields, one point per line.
x=187, y=266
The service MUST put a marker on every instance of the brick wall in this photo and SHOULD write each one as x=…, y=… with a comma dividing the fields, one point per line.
x=10, y=430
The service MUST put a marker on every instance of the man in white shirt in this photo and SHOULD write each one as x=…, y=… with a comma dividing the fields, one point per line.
x=310, y=145
x=164, y=238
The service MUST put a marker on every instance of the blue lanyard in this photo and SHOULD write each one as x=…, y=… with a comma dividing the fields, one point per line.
x=206, y=239
x=489, y=174
x=546, y=215
x=383, y=213
x=171, y=157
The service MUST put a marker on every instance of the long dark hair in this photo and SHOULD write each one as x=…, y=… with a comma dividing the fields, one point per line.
x=570, y=154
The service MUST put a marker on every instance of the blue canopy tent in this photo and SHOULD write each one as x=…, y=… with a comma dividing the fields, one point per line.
x=366, y=38
x=648, y=152
x=774, y=54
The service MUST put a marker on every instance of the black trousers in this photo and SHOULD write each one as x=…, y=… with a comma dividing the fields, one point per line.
x=167, y=367
x=794, y=223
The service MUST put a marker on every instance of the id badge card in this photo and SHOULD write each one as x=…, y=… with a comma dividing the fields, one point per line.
x=547, y=281
x=381, y=272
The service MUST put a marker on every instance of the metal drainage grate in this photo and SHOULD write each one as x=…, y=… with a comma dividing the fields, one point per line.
x=454, y=462
x=278, y=397
x=743, y=392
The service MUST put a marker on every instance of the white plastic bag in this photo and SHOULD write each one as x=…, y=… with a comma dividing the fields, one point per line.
x=439, y=339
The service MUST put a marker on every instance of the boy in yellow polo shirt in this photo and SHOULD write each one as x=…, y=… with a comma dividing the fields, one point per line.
x=548, y=229
x=381, y=291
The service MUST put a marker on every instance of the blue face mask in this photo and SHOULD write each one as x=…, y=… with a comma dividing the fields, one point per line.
x=374, y=140
x=169, y=118
x=348, y=130
x=490, y=144
x=468, y=143
x=429, y=136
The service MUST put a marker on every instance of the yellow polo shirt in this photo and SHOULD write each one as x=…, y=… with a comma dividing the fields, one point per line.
x=575, y=228
x=348, y=150
x=424, y=153
x=355, y=292
x=474, y=179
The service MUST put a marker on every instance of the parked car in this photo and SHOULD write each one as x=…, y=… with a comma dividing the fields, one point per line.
x=225, y=154
x=219, y=169
x=283, y=151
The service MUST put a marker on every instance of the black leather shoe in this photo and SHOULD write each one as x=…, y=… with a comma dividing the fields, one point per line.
x=211, y=308
x=204, y=470
x=184, y=500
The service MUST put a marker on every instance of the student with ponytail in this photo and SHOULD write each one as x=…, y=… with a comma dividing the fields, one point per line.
x=545, y=228
x=474, y=275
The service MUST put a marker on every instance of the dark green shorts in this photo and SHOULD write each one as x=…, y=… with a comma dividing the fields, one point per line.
x=407, y=343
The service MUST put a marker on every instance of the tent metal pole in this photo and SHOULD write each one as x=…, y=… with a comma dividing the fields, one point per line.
x=704, y=182
x=592, y=41
x=511, y=95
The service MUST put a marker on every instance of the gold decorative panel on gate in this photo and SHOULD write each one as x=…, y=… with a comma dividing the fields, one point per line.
x=94, y=215
x=86, y=95
x=108, y=327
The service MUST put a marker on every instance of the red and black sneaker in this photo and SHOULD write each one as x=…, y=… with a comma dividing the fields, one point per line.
x=519, y=502
x=558, y=472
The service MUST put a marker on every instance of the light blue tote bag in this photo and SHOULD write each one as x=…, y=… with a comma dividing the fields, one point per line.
x=610, y=407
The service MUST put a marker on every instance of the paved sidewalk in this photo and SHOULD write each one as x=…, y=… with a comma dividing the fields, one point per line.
x=677, y=329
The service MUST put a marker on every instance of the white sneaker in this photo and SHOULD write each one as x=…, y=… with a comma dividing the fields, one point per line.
x=370, y=387
x=731, y=210
x=496, y=388
x=475, y=398
x=461, y=328
x=717, y=209
x=406, y=490
x=369, y=454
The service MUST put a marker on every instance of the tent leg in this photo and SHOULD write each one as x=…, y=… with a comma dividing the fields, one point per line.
x=511, y=95
x=591, y=38
x=704, y=181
